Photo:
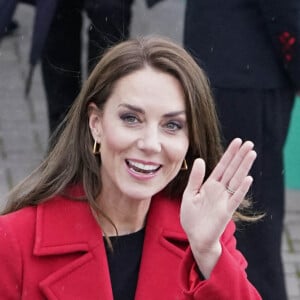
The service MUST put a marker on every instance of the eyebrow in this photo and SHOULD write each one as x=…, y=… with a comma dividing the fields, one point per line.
x=140, y=110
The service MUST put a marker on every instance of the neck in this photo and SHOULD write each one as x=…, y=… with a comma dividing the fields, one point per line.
x=127, y=215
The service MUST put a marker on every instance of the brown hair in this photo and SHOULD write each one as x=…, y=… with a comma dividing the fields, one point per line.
x=71, y=160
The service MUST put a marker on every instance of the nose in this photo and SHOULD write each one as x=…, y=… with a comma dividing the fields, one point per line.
x=149, y=140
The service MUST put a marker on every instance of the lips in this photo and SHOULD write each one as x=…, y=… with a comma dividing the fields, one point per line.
x=142, y=167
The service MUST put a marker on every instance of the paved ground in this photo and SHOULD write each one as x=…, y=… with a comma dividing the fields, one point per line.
x=24, y=126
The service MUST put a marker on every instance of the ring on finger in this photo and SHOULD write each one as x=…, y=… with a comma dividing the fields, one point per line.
x=230, y=190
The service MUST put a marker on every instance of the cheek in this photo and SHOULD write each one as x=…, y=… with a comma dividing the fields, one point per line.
x=177, y=150
x=111, y=144
x=115, y=141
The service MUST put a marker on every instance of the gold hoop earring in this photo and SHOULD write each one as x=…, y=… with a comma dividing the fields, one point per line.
x=96, y=148
x=184, y=166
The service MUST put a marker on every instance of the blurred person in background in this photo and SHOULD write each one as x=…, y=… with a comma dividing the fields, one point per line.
x=62, y=65
x=250, y=50
x=58, y=42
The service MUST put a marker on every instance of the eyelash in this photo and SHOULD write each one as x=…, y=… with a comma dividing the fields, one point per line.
x=128, y=118
x=132, y=119
x=174, y=123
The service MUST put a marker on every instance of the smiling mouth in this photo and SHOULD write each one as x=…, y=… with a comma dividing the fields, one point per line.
x=142, y=168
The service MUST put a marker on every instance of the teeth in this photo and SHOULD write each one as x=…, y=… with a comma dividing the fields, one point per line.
x=143, y=167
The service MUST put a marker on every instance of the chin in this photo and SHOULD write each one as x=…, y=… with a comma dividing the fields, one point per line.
x=138, y=194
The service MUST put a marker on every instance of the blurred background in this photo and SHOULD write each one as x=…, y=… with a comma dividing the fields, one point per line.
x=292, y=150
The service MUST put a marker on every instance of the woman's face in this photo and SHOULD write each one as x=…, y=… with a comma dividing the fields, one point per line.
x=143, y=134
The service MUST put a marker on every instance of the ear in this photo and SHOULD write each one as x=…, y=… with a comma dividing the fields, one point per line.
x=95, y=121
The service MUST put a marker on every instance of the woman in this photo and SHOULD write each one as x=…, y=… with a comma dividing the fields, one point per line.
x=134, y=200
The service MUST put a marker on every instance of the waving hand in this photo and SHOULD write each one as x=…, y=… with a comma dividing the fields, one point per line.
x=208, y=206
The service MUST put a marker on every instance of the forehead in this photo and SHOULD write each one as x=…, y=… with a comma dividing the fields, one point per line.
x=149, y=85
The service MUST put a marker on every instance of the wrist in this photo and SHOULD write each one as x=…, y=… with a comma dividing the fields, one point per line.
x=206, y=258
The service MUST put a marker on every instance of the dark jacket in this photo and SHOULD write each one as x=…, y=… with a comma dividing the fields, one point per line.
x=246, y=43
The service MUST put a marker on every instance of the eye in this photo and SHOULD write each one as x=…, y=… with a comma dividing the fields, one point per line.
x=129, y=118
x=173, y=126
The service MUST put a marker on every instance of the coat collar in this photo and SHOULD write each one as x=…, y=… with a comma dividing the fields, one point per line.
x=66, y=229
x=65, y=226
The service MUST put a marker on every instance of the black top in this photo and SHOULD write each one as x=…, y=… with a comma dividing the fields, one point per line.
x=124, y=263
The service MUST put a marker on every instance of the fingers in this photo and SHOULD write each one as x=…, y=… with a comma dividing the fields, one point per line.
x=231, y=171
x=228, y=155
x=196, y=177
x=235, y=164
x=241, y=192
x=241, y=160
x=233, y=177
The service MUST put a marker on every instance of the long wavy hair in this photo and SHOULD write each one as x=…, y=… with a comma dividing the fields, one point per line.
x=70, y=160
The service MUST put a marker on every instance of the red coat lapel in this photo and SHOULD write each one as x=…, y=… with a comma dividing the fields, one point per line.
x=164, y=247
x=68, y=231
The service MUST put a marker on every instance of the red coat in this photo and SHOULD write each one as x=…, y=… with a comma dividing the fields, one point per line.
x=56, y=251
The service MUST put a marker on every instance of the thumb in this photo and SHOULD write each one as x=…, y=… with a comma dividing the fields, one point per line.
x=196, y=177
